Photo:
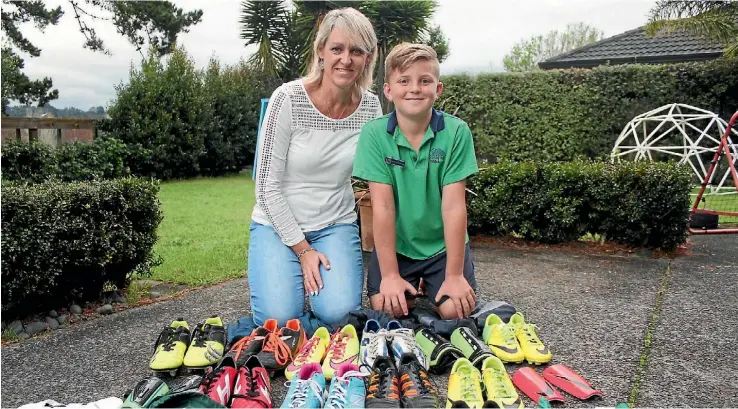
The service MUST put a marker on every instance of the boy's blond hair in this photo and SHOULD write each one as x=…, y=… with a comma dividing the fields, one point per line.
x=360, y=32
x=404, y=55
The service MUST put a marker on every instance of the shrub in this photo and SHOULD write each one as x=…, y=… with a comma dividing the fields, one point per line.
x=634, y=203
x=233, y=96
x=62, y=241
x=562, y=115
x=77, y=161
x=161, y=114
x=32, y=161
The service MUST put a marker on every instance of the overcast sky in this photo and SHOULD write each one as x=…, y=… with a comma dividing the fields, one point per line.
x=481, y=32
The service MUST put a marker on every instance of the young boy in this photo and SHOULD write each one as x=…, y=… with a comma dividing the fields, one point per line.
x=416, y=160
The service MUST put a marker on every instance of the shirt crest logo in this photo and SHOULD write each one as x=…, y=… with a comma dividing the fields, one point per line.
x=437, y=155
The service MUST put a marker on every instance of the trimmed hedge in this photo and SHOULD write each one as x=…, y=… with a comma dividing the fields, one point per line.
x=78, y=161
x=62, y=241
x=568, y=114
x=641, y=204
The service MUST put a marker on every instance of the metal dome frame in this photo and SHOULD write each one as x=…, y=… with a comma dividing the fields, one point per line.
x=678, y=118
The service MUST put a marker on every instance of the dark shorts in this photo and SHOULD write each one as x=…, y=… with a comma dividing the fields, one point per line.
x=432, y=271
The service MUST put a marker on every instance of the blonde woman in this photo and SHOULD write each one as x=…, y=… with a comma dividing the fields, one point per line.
x=304, y=236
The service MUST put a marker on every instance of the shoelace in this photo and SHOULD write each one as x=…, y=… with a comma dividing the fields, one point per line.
x=200, y=335
x=304, y=354
x=468, y=384
x=501, y=389
x=375, y=343
x=168, y=337
x=210, y=379
x=240, y=345
x=508, y=334
x=301, y=392
x=274, y=343
x=338, y=344
x=338, y=397
x=529, y=333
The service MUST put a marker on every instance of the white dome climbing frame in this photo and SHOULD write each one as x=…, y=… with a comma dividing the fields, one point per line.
x=699, y=130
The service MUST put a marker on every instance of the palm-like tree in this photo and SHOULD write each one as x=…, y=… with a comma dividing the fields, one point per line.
x=715, y=20
x=262, y=23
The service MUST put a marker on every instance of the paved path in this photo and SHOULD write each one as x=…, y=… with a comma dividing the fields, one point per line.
x=595, y=312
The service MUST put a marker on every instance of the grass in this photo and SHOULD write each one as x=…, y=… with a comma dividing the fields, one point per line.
x=724, y=202
x=204, y=235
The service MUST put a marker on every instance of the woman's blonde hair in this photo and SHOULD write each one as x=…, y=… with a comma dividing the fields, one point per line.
x=360, y=33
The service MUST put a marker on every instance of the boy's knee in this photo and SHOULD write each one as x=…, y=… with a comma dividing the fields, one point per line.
x=447, y=310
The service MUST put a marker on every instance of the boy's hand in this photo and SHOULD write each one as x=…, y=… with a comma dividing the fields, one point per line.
x=460, y=293
x=310, y=263
x=393, y=290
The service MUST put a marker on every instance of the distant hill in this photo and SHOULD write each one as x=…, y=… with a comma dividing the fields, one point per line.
x=49, y=111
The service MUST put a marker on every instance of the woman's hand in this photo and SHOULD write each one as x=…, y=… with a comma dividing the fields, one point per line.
x=310, y=263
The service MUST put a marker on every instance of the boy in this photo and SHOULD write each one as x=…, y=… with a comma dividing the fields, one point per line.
x=416, y=160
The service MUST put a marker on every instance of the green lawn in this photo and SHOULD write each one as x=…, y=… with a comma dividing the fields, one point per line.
x=204, y=236
x=719, y=202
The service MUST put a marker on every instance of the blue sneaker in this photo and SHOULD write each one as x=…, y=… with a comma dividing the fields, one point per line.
x=347, y=388
x=393, y=325
x=373, y=343
x=306, y=388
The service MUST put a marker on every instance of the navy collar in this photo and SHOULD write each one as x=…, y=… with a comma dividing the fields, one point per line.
x=436, y=123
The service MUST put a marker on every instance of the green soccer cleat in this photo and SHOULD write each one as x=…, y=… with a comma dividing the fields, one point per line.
x=170, y=348
x=208, y=343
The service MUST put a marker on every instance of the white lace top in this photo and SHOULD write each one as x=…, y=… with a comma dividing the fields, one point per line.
x=304, y=163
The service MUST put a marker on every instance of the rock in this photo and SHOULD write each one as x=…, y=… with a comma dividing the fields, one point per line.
x=118, y=299
x=155, y=294
x=52, y=323
x=63, y=319
x=75, y=309
x=35, y=327
x=53, y=314
x=23, y=336
x=16, y=326
x=105, y=309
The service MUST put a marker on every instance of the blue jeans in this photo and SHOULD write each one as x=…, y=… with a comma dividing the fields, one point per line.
x=275, y=275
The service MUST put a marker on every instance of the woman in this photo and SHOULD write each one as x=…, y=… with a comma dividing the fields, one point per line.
x=304, y=236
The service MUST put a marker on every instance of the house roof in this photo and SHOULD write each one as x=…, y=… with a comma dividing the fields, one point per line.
x=635, y=46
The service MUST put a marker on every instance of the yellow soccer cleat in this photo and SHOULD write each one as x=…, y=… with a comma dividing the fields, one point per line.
x=170, y=348
x=208, y=343
x=343, y=349
x=534, y=350
x=500, y=389
x=500, y=337
x=312, y=352
x=464, y=386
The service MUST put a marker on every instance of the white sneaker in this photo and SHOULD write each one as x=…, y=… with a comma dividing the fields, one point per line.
x=403, y=340
x=373, y=343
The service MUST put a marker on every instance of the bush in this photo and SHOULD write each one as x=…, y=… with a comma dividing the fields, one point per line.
x=161, y=115
x=181, y=122
x=32, y=161
x=62, y=241
x=633, y=203
x=563, y=115
x=77, y=161
x=233, y=94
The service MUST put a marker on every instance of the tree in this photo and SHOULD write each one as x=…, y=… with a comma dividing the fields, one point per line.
x=526, y=55
x=156, y=23
x=713, y=20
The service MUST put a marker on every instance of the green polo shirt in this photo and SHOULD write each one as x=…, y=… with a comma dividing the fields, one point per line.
x=446, y=155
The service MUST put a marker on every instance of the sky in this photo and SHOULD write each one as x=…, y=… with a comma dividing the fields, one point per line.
x=480, y=33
